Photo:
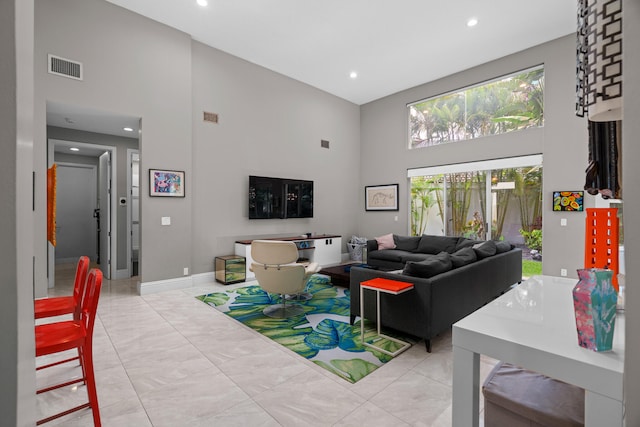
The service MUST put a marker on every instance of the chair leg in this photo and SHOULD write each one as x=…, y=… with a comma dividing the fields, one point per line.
x=88, y=378
x=428, y=345
x=91, y=385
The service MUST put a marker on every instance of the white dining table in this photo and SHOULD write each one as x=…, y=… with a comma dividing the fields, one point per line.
x=533, y=326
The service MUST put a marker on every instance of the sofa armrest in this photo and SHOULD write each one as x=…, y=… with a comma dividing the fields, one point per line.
x=372, y=245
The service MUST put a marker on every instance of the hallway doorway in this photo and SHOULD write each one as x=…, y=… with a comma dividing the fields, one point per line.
x=79, y=136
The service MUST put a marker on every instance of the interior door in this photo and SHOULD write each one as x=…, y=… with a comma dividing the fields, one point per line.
x=104, y=214
x=76, y=201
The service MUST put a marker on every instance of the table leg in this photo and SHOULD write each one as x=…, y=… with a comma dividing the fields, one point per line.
x=466, y=388
x=601, y=410
x=378, y=311
x=403, y=344
x=362, y=314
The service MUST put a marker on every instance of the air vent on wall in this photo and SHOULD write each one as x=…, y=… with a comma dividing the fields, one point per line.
x=65, y=67
x=210, y=117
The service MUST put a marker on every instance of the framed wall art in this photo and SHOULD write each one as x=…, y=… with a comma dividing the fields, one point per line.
x=166, y=183
x=568, y=201
x=381, y=197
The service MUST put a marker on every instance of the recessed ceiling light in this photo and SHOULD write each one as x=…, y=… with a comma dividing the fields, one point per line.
x=202, y=3
x=472, y=22
x=353, y=75
x=74, y=149
x=128, y=129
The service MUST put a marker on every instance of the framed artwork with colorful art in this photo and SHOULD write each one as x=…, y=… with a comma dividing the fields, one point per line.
x=568, y=201
x=166, y=183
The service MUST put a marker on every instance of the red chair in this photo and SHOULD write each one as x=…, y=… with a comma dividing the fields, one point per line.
x=57, y=337
x=57, y=306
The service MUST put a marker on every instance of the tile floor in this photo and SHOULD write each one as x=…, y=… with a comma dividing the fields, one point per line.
x=167, y=359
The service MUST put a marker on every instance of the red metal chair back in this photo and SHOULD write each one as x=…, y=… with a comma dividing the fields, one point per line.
x=90, y=300
x=80, y=281
x=57, y=306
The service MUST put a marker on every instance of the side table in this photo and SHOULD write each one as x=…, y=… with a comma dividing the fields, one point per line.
x=388, y=286
x=230, y=269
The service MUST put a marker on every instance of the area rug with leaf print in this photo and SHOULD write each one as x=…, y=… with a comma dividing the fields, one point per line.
x=321, y=334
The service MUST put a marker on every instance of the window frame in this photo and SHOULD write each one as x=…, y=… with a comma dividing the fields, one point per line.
x=464, y=90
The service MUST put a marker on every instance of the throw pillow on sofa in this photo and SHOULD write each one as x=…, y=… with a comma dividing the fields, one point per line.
x=406, y=243
x=485, y=249
x=463, y=256
x=431, y=266
x=463, y=242
x=436, y=244
x=503, y=246
x=385, y=242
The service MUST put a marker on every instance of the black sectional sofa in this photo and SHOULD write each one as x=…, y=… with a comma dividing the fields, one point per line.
x=452, y=278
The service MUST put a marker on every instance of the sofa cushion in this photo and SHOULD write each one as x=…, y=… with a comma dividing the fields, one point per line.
x=385, y=242
x=431, y=266
x=393, y=255
x=464, y=242
x=414, y=256
x=485, y=249
x=503, y=246
x=463, y=256
x=406, y=243
x=436, y=244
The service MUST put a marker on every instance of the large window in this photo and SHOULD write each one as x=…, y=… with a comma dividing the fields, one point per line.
x=510, y=103
x=497, y=199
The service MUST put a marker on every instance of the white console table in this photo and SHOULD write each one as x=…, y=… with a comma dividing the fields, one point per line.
x=533, y=326
x=325, y=249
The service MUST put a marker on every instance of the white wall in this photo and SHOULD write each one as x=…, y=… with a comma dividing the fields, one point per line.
x=269, y=125
x=385, y=157
x=17, y=364
x=132, y=66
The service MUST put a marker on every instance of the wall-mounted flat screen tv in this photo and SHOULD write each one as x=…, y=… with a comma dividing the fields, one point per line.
x=280, y=198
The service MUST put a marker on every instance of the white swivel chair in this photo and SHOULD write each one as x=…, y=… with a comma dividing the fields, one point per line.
x=277, y=272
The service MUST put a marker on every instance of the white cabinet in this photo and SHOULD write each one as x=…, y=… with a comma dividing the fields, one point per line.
x=328, y=251
x=324, y=249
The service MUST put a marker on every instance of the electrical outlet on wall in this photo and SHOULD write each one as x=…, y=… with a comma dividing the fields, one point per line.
x=563, y=272
x=186, y=271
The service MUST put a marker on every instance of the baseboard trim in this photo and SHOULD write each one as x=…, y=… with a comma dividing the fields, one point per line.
x=203, y=278
x=177, y=283
x=146, y=288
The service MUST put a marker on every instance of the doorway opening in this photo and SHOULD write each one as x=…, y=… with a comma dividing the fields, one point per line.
x=85, y=202
x=96, y=133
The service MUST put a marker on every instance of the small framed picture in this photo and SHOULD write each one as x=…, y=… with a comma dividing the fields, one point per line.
x=381, y=197
x=568, y=201
x=166, y=183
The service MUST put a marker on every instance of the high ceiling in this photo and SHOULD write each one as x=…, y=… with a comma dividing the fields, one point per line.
x=392, y=45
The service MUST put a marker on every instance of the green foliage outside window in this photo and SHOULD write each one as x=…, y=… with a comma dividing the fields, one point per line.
x=533, y=239
x=511, y=103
